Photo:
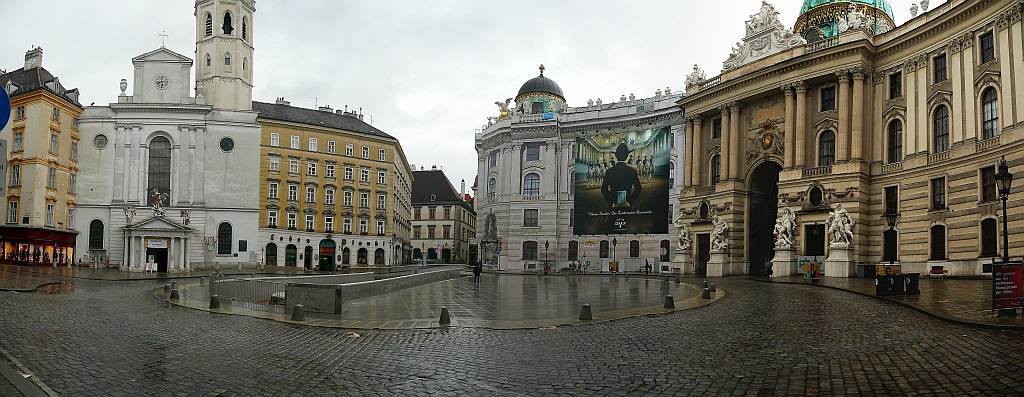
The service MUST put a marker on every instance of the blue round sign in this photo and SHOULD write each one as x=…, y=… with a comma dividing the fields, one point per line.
x=5, y=108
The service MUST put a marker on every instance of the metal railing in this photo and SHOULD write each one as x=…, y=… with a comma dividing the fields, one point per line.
x=254, y=294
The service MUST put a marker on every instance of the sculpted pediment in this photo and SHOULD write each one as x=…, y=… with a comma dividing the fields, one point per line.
x=158, y=223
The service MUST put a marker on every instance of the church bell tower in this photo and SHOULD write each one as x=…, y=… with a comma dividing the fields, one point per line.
x=224, y=34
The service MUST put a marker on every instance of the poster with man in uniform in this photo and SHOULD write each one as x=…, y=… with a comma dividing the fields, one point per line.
x=621, y=182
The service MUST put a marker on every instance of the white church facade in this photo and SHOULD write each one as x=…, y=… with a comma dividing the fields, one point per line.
x=170, y=180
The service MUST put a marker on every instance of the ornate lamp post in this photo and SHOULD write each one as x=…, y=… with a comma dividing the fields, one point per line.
x=614, y=243
x=547, y=244
x=891, y=217
x=1003, y=181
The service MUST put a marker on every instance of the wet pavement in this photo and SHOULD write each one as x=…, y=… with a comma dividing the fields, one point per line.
x=966, y=300
x=115, y=338
x=504, y=302
x=28, y=279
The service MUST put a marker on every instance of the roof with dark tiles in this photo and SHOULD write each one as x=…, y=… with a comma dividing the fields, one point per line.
x=282, y=112
x=433, y=183
x=36, y=78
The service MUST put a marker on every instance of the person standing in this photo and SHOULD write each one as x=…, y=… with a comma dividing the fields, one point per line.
x=647, y=267
x=477, y=269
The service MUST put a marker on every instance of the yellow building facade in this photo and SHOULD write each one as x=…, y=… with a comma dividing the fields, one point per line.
x=40, y=167
x=335, y=191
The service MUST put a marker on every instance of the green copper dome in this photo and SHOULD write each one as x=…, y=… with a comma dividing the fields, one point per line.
x=879, y=4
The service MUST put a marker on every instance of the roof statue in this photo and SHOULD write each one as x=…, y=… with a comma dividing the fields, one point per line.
x=694, y=79
x=765, y=36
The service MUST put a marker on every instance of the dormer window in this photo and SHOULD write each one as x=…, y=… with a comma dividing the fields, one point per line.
x=227, y=23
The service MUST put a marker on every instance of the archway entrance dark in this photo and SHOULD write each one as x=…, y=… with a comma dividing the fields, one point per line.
x=762, y=209
x=327, y=250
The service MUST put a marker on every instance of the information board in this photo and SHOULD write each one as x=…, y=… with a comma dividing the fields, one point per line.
x=1007, y=285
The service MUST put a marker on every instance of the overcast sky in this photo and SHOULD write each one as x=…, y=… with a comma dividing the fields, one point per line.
x=427, y=72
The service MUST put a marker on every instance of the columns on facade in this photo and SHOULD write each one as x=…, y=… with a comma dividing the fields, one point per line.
x=725, y=152
x=697, y=150
x=125, y=252
x=857, y=125
x=735, y=142
x=801, y=124
x=790, y=141
x=688, y=145
x=843, y=110
x=184, y=255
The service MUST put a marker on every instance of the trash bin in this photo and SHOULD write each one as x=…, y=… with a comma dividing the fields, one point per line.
x=889, y=285
x=865, y=270
x=912, y=283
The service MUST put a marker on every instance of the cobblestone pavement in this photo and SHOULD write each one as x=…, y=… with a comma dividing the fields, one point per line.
x=114, y=338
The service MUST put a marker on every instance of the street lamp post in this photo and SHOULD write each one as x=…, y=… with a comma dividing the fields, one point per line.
x=614, y=244
x=1003, y=180
x=547, y=267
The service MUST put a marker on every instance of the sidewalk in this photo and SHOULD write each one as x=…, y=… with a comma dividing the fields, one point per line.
x=958, y=300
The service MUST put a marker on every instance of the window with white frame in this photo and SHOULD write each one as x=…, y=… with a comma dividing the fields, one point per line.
x=272, y=190
x=274, y=163
x=73, y=182
x=380, y=227
x=71, y=219
x=381, y=177
x=381, y=201
x=18, y=146
x=348, y=173
x=366, y=152
x=330, y=147
x=347, y=225
x=381, y=155
x=364, y=199
x=49, y=215
x=272, y=218
x=15, y=175
x=330, y=170
x=312, y=144
x=348, y=149
x=363, y=226
x=294, y=142
x=74, y=151
x=51, y=178
x=329, y=196
x=12, y=212
x=275, y=139
x=311, y=168
x=293, y=192
x=309, y=222
x=293, y=166
x=364, y=175
x=347, y=199
x=291, y=220
x=329, y=223
x=310, y=194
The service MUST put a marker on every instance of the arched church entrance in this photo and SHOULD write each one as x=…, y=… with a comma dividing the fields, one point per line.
x=762, y=208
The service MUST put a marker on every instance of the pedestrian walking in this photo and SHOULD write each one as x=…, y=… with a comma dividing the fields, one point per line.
x=647, y=267
x=477, y=268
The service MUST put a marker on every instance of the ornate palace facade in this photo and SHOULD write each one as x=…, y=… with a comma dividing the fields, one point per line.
x=870, y=117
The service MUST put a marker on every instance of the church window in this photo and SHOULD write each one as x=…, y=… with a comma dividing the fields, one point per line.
x=381, y=155
x=366, y=152
x=245, y=28
x=329, y=196
x=310, y=194
x=293, y=192
x=330, y=147
x=274, y=163
x=989, y=113
x=226, y=144
x=828, y=98
x=294, y=142
x=988, y=47
x=311, y=168
x=533, y=152
x=275, y=139
x=826, y=148
x=312, y=144
x=940, y=128
x=491, y=185
x=634, y=249
x=291, y=220
x=224, y=239
x=96, y=234
x=348, y=173
x=272, y=190
x=716, y=169
x=330, y=170
x=159, y=169
x=12, y=212
x=293, y=166
x=227, y=23
x=895, y=138
x=938, y=246
x=209, y=25
x=309, y=223
x=381, y=177
x=227, y=59
x=531, y=184
x=100, y=141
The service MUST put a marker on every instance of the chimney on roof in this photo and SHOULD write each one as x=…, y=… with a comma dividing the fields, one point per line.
x=434, y=167
x=462, y=190
x=34, y=58
x=281, y=101
x=327, y=109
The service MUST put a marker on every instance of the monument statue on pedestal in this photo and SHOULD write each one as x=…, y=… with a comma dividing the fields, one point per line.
x=719, y=240
x=785, y=226
x=840, y=226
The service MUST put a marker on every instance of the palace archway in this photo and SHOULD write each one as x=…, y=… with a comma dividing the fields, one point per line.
x=762, y=208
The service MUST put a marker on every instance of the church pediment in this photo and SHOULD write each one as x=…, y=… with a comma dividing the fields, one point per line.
x=158, y=223
x=162, y=54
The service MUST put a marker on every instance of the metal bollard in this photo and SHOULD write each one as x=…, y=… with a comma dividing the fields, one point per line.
x=167, y=288
x=706, y=284
x=713, y=287
x=215, y=301
x=445, y=319
x=706, y=294
x=677, y=279
x=174, y=294
x=585, y=314
x=298, y=313
x=174, y=285
x=670, y=303
x=202, y=280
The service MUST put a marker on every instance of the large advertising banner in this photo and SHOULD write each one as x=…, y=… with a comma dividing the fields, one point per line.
x=622, y=182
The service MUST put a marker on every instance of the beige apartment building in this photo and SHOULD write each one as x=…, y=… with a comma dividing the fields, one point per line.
x=443, y=220
x=849, y=110
x=335, y=190
x=39, y=167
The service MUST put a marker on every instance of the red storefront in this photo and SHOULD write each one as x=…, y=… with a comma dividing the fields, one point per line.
x=36, y=247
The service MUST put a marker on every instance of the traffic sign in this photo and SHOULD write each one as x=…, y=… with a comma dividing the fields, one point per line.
x=5, y=108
